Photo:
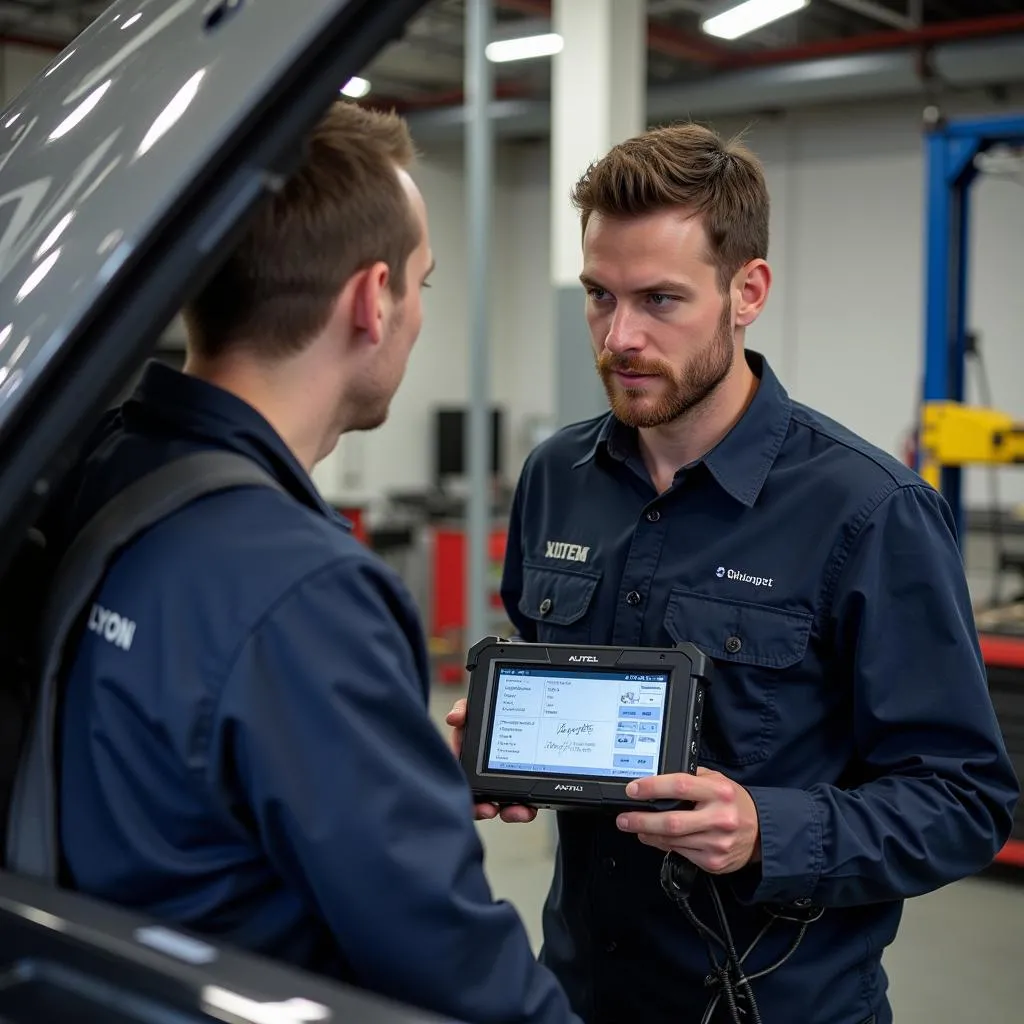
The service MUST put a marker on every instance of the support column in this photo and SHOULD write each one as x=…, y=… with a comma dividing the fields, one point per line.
x=599, y=87
x=480, y=181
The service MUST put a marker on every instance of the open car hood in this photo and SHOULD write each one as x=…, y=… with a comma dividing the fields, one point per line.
x=67, y=959
x=126, y=167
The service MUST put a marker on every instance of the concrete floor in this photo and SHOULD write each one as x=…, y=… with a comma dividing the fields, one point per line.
x=959, y=956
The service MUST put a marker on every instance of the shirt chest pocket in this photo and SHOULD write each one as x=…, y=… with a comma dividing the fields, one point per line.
x=754, y=647
x=559, y=602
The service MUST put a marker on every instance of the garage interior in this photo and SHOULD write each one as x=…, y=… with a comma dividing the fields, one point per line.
x=892, y=132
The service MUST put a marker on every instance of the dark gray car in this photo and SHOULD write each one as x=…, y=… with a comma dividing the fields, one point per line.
x=126, y=167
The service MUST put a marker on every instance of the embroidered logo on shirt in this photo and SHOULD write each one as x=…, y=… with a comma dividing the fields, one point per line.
x=566, y=552
x=743, y=577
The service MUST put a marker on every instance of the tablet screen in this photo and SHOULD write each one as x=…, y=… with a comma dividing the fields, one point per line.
x=592, y=723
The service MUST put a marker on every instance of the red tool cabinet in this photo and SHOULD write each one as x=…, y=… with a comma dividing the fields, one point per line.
x=1004, y=660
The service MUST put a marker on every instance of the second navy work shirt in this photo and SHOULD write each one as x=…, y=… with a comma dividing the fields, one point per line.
x=249, y=753
x=824, y=580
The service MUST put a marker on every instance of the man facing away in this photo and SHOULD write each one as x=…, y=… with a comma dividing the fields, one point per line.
x=851, y=757
x=258, y=764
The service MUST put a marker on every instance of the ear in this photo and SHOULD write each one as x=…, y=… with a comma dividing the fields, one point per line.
x=370, y=299
x=750, y=291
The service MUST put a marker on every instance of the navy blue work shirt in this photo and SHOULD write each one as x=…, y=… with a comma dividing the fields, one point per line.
x=850, y=699
x=253, y=758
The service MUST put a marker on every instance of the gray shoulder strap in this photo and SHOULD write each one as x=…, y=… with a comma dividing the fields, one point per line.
x=32, y=836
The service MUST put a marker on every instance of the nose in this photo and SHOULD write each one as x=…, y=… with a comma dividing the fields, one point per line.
x=623, y=332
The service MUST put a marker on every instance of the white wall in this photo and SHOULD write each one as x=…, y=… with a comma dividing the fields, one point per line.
x=844, y=325
x=399, y=454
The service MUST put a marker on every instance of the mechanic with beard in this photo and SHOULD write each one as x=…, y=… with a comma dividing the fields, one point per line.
x=851, y=757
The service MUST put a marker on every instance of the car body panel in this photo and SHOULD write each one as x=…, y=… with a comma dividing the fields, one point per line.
x=126, y=167
x=66, y=957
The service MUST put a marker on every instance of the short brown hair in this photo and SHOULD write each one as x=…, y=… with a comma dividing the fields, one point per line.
x=342, y=210
x=688, y=166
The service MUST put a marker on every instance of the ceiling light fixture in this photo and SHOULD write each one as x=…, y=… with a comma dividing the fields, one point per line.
x=355, y=88
x=749, y=16
x=524, y=48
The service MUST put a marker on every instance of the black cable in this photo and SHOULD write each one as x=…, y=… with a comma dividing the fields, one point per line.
x=782, y=959
x=727, y=976
x=678, y=877
x=760, y=935
x=741, y=980
x=709, y=1013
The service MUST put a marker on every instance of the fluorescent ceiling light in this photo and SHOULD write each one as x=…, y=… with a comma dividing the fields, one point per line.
x=355, y=88
x=750, y=16
x=524, y=48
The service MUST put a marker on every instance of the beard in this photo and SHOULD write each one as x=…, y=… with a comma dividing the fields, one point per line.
x=681, y=392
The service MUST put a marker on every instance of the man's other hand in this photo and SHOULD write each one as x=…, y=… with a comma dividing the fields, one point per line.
x=720, y=834
x=484, y=812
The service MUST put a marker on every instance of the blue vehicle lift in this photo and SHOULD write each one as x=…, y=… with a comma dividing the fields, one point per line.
x=951, y=434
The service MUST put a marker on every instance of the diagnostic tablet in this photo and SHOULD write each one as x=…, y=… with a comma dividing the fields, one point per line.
x=557, y=726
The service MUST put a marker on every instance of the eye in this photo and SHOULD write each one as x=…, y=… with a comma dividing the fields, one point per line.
x=597, y=294
x=659, y=299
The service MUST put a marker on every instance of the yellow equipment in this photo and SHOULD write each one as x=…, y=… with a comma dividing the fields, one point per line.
x=961, y=435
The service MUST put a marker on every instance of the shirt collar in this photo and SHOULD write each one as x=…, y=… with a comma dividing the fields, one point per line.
x=207, y=413
x=741, y=461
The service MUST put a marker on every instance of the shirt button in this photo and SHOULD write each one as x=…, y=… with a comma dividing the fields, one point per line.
x=545, y=606
x=611, y=947
x=633, y=598
x=653, y=516
x=734, y=645
x=609, y=863
x=802, y=902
